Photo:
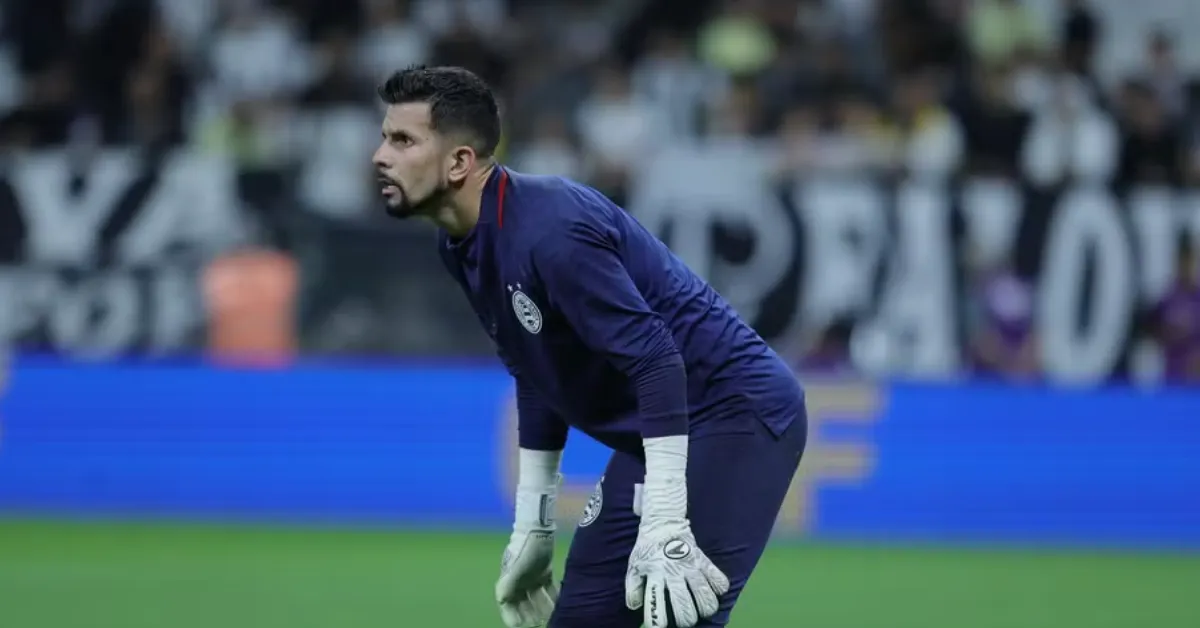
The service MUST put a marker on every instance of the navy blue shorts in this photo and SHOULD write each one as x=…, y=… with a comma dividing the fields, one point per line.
x=736, y=485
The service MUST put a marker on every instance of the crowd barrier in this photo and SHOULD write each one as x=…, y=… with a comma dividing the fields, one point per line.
x=429, y=444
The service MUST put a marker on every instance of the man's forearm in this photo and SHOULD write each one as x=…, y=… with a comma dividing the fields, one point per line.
x=662, y=404
x=538, y=427
x=541, y=436
x=661, y=388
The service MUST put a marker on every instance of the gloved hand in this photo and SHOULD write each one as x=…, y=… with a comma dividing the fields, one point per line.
x=666, y=566
x=526, y=591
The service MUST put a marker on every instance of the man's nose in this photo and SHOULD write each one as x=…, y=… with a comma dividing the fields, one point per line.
x=379, y=159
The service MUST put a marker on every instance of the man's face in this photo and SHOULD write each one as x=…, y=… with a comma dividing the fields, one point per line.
x=411, y=162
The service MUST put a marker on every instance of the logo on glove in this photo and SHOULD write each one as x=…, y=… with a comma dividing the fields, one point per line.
x=677, y=549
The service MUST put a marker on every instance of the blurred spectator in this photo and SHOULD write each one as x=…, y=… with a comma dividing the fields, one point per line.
x=443, y=17
x=257, y=55
x=736, y=116
x=993, y=126
x=461, y=44
x=581, y=29
x=800, y=140
x=1079, y=37
x=1071, y=139
x=119, y=45
x=333, y=179
x=618, y=129
x=1162, y=73
x=831, y=75
x=1008, y=32
x=392, y=39
x=1152, y=149
x=550, y=150
x=782, y=82
x=157, y=92
x=47, y=111
x=929, y=135
x=1001, y=333
x=338, y=79
x=190, y=23
x=676, y=83
x=853, y=19
x=1002, y=30
x=1177, y=321
x=336, y=130
x=236, y=133
x=737, y=39
x=919, y=33
x=843, y=137
x=1035, y=84
x=856, y=23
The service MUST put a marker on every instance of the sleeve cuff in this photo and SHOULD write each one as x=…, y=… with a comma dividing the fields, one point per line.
x=537, y=427
x=661, y=388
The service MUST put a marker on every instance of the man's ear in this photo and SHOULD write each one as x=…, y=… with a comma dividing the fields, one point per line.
x=462, y=163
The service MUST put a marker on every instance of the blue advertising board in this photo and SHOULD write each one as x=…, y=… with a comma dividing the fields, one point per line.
x=434, y=445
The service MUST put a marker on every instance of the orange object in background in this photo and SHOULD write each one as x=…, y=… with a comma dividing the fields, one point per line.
x=251, y=301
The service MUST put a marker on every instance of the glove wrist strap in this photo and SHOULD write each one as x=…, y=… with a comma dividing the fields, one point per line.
x=665, y=490
x=537, y=489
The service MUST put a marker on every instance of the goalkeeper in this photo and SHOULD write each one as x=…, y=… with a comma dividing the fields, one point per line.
x=606, y=331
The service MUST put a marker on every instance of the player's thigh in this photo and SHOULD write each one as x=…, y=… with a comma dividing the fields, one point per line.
x=736, y=486
x=593, y=586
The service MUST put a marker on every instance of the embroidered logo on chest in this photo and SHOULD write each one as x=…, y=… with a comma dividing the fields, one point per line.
x=526, y=310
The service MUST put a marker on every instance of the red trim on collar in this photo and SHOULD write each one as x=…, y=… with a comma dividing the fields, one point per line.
x=500, y=188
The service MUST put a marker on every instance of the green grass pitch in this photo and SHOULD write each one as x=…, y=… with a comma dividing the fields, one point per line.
x=60, y=575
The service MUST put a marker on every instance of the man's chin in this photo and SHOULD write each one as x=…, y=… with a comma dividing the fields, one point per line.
x=400, y=208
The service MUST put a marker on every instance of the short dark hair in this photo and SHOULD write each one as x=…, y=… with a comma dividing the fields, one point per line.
x=459, y=102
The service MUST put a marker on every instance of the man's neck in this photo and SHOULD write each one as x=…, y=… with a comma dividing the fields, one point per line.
x=460, y=214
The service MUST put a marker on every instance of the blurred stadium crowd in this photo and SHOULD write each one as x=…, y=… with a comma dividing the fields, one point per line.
x=1048, y=91
x=591, y=86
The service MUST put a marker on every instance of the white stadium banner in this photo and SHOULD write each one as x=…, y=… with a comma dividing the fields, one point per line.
x=888, y=252
x=101, y=257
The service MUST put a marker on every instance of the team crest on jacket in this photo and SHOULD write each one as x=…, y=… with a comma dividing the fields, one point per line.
x=594, y=505
x=526, y=310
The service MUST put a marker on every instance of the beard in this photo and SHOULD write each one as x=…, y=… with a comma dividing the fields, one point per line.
x=401, y=204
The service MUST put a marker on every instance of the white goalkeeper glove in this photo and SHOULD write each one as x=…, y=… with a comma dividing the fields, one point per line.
x=526, y=591
x=666, y=566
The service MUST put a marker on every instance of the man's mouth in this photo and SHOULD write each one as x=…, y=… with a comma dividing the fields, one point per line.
x=388, y=188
